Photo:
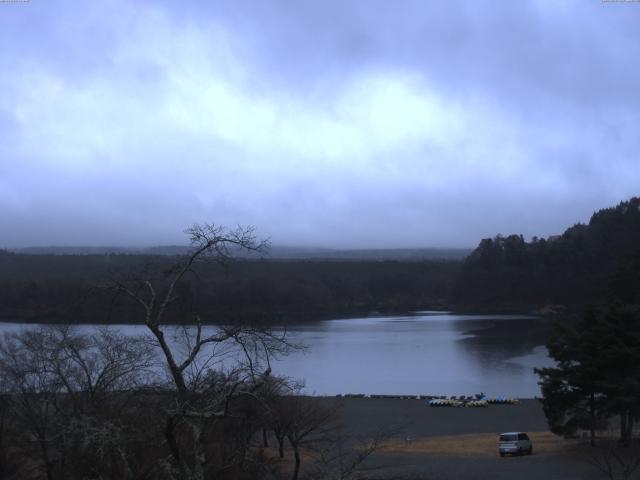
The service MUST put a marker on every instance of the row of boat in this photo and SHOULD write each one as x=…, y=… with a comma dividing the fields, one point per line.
x=449, y=402
x=485, y=402
x=479, y=400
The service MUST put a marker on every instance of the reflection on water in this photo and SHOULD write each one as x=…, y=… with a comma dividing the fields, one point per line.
x=429, y=353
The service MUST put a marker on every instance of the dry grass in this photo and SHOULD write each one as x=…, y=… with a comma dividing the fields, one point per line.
x=306, y=455
x=480, y=445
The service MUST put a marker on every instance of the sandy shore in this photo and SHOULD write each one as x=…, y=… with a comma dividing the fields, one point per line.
x=416, y=418
x=461, y=443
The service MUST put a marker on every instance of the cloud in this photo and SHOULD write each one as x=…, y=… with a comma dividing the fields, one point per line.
x=327, y=124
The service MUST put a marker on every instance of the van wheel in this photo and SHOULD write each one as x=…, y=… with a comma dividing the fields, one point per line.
x=530, y=451
x=501, y=454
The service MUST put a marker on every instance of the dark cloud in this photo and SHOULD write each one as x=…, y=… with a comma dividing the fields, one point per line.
x=359, y=123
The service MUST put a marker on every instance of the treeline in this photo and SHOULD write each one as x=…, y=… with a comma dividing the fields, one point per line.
x=593, y=272
x=588, y=264
x=176, y=403
x=68, y=288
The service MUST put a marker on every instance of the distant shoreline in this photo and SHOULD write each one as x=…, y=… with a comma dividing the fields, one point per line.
x=298, y=321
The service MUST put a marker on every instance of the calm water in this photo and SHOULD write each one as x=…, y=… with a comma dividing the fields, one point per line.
x=424, y=353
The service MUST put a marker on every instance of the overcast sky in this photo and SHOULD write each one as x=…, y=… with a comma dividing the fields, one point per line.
x=322, y=123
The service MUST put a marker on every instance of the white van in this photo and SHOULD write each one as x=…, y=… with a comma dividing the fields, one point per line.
x=515, y=443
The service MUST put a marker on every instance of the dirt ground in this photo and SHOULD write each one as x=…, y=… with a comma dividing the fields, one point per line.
x=441, y=443
x=417, y=419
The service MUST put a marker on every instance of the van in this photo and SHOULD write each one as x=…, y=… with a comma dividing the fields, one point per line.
x=514, y=443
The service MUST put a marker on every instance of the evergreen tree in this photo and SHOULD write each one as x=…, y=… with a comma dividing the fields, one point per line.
x=597, y=373
x=574, y=391
x=620, y=359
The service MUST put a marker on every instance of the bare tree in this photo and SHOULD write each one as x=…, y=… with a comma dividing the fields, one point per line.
x=155, y=296
x=275, y=416
x=313, y=427
x=345, y=457
x=92, y=364
x=61, y=381
x=8, y=464
x=614, y=459
x=35, y=391
x=306, y=422
x=208, y=366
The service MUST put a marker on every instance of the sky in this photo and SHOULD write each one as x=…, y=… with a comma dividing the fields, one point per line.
x=329, y=123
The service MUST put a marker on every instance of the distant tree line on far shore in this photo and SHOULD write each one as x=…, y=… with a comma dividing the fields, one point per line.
x=587, y=265
x=66, y=288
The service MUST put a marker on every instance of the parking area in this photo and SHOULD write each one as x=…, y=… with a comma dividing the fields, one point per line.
x=462, y=443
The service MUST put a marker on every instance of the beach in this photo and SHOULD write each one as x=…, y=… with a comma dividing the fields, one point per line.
x=441, y=443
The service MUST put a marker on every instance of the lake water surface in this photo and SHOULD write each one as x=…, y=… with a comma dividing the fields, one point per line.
x=428, y=353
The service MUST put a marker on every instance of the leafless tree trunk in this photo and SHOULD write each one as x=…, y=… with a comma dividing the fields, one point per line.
x=345, y=457
x=303, y=421
x=614, y=459
x=296, y=455
x=5, y=433
x=35, y=389
x=200, y=399
x=61, y=382
x=280, y=436
x=208, y=242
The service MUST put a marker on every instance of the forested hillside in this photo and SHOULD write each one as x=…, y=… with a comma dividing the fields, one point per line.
x=68, y=288
x=588, y=264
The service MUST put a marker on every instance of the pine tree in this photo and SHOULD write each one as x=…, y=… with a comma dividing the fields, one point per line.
x=574, y=391
x=597, y=373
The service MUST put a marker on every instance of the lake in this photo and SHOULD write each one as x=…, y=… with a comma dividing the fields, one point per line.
x=426, y=353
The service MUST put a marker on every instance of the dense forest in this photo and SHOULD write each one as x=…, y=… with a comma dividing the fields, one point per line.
x=63, y=288
x=587, y=265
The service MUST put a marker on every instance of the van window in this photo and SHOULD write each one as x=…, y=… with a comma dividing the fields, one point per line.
x=508, y=438
x=523, y=436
